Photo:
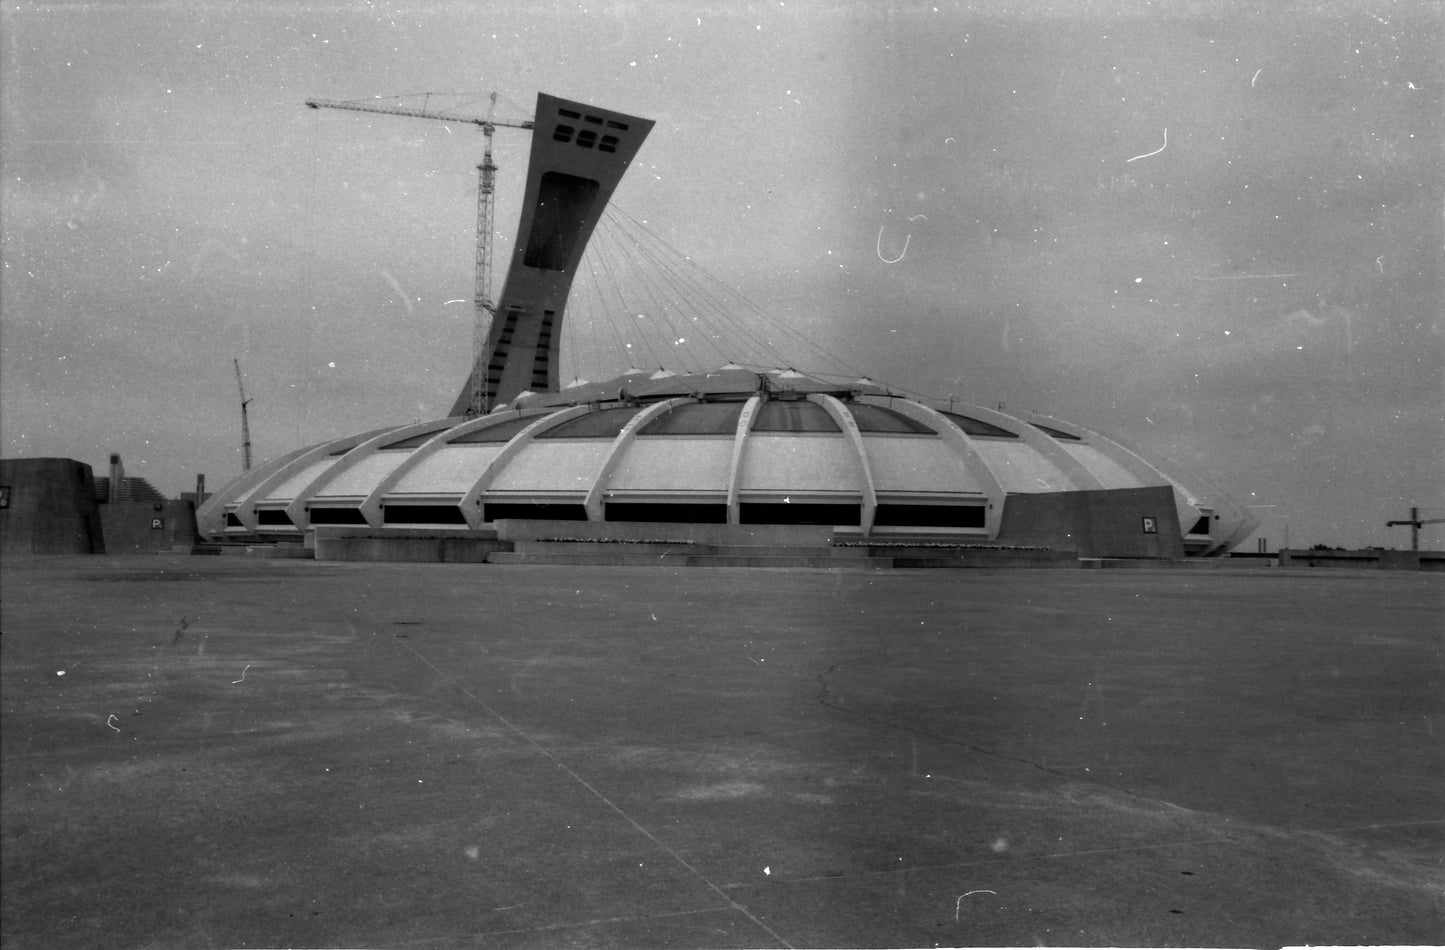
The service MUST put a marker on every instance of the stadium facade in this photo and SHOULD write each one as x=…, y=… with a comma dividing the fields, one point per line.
x=734, y=446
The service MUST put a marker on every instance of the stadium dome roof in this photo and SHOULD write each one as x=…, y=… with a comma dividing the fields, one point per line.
x=730, y=446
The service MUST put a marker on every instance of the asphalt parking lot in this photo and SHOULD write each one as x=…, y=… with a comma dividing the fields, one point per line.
x=235, y=752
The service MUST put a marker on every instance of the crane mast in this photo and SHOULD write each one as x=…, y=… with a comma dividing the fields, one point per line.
x=483, y=306
x=1416, y=523
x=245, y=421
x=482, y=303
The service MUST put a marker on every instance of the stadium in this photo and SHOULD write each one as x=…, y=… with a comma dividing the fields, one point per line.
x=735, y=447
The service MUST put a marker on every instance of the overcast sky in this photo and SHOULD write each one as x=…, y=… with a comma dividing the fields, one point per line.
x=1213, y=231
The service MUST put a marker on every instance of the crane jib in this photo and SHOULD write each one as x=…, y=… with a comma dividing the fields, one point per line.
x=482, y=295
x=416, y=114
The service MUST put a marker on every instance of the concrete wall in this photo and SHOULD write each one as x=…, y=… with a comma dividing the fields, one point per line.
x=1369, y=559
x=777, y=535
x=48, y=508
x=346, y=543
x=1098, y=523
x=145, y=527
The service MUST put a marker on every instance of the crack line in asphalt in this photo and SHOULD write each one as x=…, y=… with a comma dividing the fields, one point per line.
x=573, y=925
x=986, y=862
x=824, y=692
x=604, y=799
x=1392, y=824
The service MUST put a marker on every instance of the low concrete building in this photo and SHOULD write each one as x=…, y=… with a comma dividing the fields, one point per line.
x=51, y=506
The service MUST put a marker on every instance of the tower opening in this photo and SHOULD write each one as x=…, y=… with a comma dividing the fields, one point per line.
x=559, y=221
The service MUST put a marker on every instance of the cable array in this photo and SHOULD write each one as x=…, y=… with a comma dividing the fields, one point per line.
x=649, y=298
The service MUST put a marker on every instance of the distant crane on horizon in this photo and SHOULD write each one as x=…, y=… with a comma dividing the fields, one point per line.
x=1415, y=522
x=245, y=421
x=483, y=305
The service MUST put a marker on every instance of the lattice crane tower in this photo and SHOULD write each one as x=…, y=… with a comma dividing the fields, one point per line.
x=483, y=306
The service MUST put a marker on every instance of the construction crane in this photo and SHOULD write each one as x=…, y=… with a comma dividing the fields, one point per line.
x=1415, y=522
x=245, y=421
x=483, y=305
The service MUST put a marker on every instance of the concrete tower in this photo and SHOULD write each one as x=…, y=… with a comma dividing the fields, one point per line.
x=579, y=154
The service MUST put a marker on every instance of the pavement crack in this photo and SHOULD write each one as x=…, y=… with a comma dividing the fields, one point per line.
x=594, y=922
x=826, y=697
x=637, y=826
